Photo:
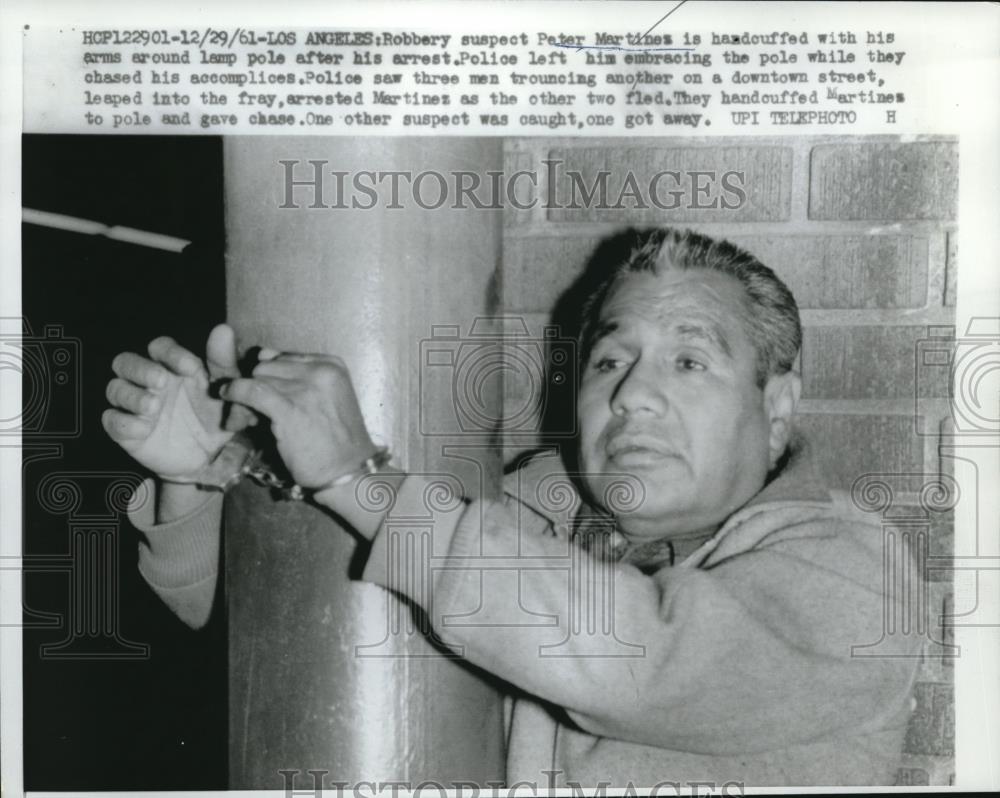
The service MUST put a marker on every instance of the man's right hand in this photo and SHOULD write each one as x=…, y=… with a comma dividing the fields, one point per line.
x=163, y=414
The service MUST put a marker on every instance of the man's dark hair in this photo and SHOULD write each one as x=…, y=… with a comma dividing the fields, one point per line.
x=770, y=317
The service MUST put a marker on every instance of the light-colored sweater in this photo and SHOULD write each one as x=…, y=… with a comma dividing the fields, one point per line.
x=734, y=665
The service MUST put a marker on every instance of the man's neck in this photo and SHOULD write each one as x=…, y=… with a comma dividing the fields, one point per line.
x=643, y=544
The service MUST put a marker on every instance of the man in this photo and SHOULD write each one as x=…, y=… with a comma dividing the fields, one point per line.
x=740, y=582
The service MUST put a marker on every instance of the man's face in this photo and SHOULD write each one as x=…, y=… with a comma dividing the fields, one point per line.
x=669, y=395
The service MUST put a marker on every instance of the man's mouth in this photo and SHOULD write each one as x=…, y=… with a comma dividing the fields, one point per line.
x=638, y=451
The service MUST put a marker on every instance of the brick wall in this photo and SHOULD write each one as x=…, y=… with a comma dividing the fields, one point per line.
x=863, y=231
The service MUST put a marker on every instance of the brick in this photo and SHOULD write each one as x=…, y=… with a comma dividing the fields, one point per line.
x=936, y=666
x=912, y=777
x=518, y=211
x=766, y=181
x=948, y=625
x=951, y=269
x=891, y=182
x=835, y=272
x=921, y=769
x=868, y=362
x=942, y=544
x=933, y=360
x=939, y=527
x=848, y=446
x=940, y=600
x=937, y=660
x=932, y=726
x=843, y=272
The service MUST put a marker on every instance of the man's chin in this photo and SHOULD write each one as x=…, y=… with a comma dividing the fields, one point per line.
x=628, y=491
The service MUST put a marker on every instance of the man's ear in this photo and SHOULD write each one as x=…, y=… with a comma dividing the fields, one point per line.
x=781, y=398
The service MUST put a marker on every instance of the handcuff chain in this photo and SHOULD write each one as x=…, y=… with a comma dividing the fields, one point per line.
x=255, y=468
x=257, y=471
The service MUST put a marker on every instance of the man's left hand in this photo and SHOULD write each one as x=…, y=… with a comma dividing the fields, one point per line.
x=314, y=414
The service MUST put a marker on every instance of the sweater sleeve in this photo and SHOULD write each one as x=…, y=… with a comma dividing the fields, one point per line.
x=180, y=559
x=750, y=655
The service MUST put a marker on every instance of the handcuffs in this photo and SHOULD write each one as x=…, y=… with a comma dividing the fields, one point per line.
x=240, y=459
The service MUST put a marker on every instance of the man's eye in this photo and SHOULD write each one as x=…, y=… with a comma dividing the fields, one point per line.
x=603, y=365
x=690, y=364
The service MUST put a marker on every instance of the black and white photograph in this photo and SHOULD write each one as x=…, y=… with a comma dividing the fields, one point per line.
x=572, y=416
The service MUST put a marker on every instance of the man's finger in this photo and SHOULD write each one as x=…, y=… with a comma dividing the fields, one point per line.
x=131, y=397
x=239, y=417
x=140, y=370
x=124, y=427
x=259, y=395
x=221, y=352
x=301, y=357
x=175, y=357
x=282, y=369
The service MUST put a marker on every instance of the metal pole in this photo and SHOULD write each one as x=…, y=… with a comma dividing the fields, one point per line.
x=328, y=673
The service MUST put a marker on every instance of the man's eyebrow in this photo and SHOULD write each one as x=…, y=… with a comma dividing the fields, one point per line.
x=602, y=330
x=710, y=332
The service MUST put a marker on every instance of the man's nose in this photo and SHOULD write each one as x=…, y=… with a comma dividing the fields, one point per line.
x=640, y=390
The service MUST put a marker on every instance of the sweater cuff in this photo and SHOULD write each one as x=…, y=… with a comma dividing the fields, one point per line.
x=181, y=552
x=419, y=516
